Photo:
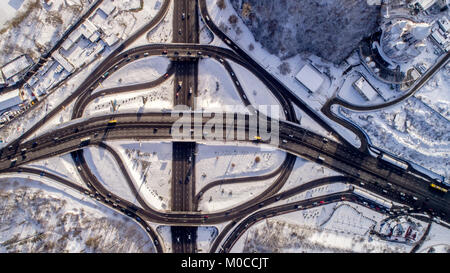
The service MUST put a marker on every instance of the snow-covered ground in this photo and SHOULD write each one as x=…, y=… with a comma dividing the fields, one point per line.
x=227, y=196
x=438, y=240
x=411, y=131
x=156, y=98
x=216, y=162
x=36, y=27
x=8, y=10
x=216, y=91
x=107, y=171
x=205, y=35
x=256, y=91
x=308, y=123
x=305, y=171
x=316, y=192
x=162, y=33
x=166, y=235
x=339, y=227
x=140, y=71
x=436, y=92
x=205, y=238
x=38, y=217
x=150, y=166
x=62, y=166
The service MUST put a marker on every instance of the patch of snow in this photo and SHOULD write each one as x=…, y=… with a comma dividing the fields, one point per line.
x=107, y=171
x=150, y=166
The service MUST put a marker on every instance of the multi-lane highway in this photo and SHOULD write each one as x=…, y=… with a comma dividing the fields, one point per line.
x=357, y=167
x=185, y=25
x=377, y=175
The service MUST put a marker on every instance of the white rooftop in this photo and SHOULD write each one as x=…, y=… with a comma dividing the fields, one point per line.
x=444, y=24
x=310, y=77
x=425, y=4
x=62, y=61
x=9, y=100
x=107, y=7
x=365, y=89
x=16, y=66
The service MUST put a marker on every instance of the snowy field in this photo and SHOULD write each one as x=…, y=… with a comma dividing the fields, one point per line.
x=257, y=92
x=162, y=33
x=316, y=192
x=205, y=238
x=217, y=162
x=150, y=166
x=227, y=196
x=341, y=227
x=308, y=123
x=38, y=217
x=411, y=131
x=166, y=235
x=216, y=91
x=62, y=166
x=8, y=10
x=305, y=171
x=140, y=101
x=140, y=71
x=38, y=26
x=438, y=240
x=103, y=165
x=436, y=93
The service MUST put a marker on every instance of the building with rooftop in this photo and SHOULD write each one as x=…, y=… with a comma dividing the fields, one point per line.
x=9, y=100
x=444, y=24
x=310, y=78
x=87, y=30
x=16, y=66
x=422, y=4
x=63, y=62
x=107, y=7
x=364, y=88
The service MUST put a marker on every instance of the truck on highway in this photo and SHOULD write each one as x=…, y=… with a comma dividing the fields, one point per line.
x=438, y=187
x=85, y=141
x=112, y=122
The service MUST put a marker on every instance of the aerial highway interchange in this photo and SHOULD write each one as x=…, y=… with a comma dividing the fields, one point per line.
x=408, y=189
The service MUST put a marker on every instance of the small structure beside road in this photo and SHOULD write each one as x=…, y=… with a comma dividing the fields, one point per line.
x=364, y=88
x=310, y=78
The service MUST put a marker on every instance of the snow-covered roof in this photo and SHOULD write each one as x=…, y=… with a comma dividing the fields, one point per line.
x=111, y=39
x=107, y=7
x=365, y=89
x=438, y=37
x=444, y=24
x=9, y=100
x=424, y=4
x=310, y=77
x=62, y=61
x=87, y=29
x=16, y=66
